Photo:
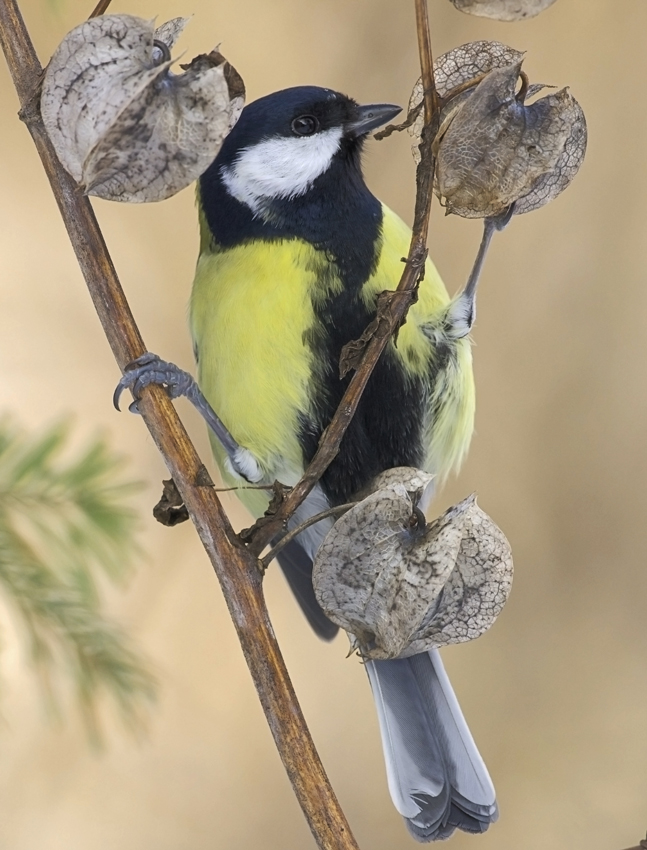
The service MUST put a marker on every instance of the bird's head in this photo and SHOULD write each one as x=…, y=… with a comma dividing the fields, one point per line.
x=285, y=142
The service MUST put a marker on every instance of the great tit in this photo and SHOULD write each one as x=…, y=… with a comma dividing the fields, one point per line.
x=294, y=252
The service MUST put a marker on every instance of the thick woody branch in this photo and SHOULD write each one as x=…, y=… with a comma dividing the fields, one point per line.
x=391, y=313
x=237, y=570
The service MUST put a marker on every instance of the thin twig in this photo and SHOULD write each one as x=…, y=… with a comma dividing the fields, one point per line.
x=100, y=8
x=443, y=100
x=404, y=125
x=388, y=320
x=462, y=87
x=274, y=551
x=265, y=487
x=236, y=569
x=430, y=93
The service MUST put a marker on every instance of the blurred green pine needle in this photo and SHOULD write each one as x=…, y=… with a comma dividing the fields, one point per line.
x=62, y=524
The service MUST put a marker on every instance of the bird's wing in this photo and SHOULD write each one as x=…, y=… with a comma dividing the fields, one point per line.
x=297, y=569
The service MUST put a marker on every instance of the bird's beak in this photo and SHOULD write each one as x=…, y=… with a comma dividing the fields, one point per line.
x=370, y=117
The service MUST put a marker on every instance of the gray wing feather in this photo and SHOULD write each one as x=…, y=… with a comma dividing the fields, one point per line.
x=296, y=557
x=437, y=778
x=297, y=569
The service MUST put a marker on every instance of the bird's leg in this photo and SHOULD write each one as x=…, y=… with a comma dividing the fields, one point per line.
x=150, y=369
x=463, y=309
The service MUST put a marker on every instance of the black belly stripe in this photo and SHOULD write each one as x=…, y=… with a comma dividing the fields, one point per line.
x=386, y=431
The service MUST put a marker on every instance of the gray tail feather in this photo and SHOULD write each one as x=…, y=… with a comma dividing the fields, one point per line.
x=437, y=778
x=297, y=569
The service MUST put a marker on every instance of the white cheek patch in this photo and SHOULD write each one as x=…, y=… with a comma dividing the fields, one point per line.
x=280, y=168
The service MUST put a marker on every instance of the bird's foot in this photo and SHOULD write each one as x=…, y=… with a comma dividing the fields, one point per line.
x=151, y=369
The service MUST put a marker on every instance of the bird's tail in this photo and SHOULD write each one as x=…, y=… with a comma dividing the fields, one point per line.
x=437, y=778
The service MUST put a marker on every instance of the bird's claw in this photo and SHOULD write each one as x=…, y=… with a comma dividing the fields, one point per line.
x=151, y=369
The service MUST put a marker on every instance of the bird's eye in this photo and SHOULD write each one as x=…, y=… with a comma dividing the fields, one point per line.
x=305, y=125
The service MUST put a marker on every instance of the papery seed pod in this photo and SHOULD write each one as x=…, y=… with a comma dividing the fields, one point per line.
x=503, y=148
x=553, y=183
x=503, y=10
x=379, y=570
x=496, y=147
x=169, y=32
x=457, y=67
x=400, y=585
x=476, y=590
x=404, y=480
x=122, y=124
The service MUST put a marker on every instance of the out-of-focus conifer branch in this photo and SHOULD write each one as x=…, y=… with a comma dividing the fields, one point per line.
x=62, y=523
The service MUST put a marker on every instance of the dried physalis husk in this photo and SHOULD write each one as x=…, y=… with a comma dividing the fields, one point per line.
x=382, y=572
x=123, y=125
x=493, y=146
x=503, y=10
x=458, y=67
x=553, y=182
x=477, y=588
x=496, y=147
x=402, y=480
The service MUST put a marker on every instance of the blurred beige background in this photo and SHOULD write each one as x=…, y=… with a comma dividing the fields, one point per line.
x=556, y=693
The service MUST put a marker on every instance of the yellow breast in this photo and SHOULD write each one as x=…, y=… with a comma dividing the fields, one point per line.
x=250, y=307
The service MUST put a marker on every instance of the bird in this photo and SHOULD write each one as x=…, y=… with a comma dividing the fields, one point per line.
x=294, y=251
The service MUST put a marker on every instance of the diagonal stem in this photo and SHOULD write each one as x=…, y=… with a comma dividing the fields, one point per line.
x=430, y=94
x=237, y=569
x=100, y=9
